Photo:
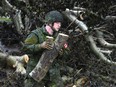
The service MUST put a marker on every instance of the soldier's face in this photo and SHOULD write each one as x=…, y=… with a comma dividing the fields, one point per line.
x=57, y=26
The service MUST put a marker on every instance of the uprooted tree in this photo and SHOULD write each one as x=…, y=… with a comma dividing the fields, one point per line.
x=89, y=35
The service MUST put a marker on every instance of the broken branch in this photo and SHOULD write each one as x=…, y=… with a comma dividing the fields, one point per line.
x=94, y=48
x=88, y=37
x=17, y=62
x=102, y=41
x=15, y=15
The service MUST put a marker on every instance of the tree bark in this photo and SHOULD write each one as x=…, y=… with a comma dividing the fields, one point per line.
x=15, y=15
x=47, y=58
x=90, y=39
x=73, y=18
x=97, y=52
x=17, y=62
x=102, y=41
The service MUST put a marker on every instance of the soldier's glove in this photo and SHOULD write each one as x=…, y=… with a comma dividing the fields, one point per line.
x=46, y=45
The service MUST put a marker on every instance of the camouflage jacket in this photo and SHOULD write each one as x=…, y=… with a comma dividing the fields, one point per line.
x=34, y=39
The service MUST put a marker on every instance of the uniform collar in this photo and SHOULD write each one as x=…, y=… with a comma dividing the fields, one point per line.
x=44, y=30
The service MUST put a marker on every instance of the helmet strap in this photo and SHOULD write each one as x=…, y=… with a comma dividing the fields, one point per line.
x=51, y=25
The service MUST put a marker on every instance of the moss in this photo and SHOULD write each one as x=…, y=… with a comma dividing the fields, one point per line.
x=5, y=19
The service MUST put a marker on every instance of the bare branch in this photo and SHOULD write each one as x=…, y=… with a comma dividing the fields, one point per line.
x=15, y=15
x=94, y=48
x=18, y=21
x=79, y=23
x=109, y=18
x=102, y=41
x=106, y=51
x=89, y=38
x=7, y=6
x=27, y=24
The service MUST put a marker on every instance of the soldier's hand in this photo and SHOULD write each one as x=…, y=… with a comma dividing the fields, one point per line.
x=46, y=45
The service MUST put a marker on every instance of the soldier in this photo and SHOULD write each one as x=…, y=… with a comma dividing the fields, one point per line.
x=35, y=44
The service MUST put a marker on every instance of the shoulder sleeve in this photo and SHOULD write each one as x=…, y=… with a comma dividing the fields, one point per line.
x=31, y=38
x=31, y=43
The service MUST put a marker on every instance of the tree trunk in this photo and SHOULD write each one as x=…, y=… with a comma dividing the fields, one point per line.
x=17, y=62
x=47, y=58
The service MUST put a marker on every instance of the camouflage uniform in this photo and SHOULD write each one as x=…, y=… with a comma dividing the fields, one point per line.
x=32, y=42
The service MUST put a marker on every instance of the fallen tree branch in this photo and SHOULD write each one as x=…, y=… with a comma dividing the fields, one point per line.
x=27, y=25
x=17, y=62
x=15, y=15
x=102, y=41
x=109, y=18
x=88, y=37
x=106, y=51
x=47, y=58
x=79, y=23
x=18, y=21
x=111, y=7
x=7, y=6
x=94, y=48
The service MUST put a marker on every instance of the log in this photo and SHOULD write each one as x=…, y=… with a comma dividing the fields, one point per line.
x=73, y=18
x=15, y=15
x=17, y=62
x=47, y=58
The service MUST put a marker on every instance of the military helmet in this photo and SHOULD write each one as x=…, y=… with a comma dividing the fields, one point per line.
x=53, y=16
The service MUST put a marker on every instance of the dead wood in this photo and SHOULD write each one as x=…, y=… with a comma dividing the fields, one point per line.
x=102, y=40
x=47, y=58
x=96, y=51
x=15, y=15
x=17, y=62
x=89, y=37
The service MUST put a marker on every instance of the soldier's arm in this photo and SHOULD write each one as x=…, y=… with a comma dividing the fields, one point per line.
x=31, y=43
